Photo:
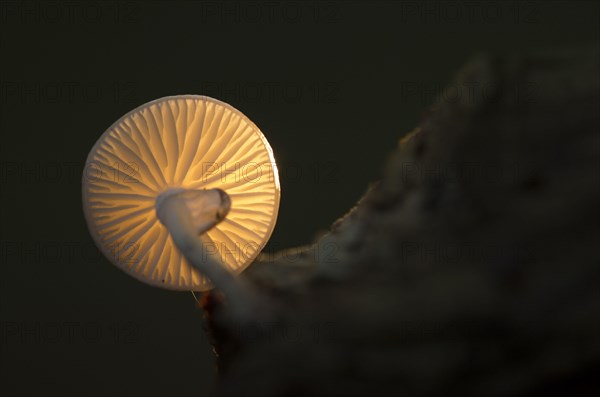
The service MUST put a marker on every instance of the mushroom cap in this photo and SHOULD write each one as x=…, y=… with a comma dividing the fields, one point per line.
x=173, y=143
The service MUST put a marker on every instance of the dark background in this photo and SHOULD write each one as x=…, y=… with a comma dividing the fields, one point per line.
x=332, y=85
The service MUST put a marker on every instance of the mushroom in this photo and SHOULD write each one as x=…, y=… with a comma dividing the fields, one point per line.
x=182, y=193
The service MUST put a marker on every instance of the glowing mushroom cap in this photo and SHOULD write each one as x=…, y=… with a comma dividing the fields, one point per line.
x=179, y=142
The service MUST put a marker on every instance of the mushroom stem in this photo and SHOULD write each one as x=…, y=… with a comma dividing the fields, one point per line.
x=189, y=213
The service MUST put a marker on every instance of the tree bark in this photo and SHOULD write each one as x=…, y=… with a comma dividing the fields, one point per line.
x=470, y=268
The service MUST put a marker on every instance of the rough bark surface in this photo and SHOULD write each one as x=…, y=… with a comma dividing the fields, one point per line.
x=470, y=268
